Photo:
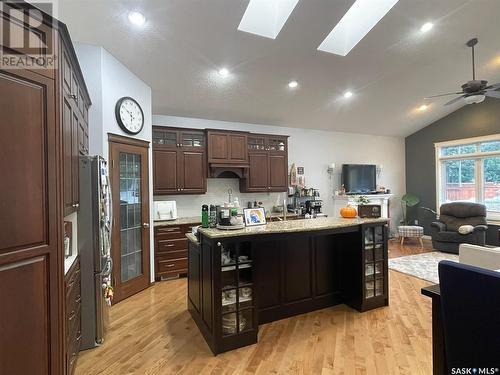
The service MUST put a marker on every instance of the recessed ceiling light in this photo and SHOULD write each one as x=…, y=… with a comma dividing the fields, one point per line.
x=137, y=18
x=347, y=94
x=293, y=84
x=426, y=27
x=223, y=72
x=361, y=17
x=423, y=107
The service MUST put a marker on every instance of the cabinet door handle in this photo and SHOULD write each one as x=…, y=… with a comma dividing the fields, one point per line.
x=145, y=225
x=170, y=245
x=170, y=265
x=74, y=97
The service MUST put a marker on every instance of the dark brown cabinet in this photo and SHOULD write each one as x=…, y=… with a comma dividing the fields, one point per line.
x=268, y=160
x=179, y=161
x=37, y=158
x=171, y=248
x=227, y=147
x=75, y=130
x=73, y=316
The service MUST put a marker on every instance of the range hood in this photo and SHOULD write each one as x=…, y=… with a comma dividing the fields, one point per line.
x=223, y=170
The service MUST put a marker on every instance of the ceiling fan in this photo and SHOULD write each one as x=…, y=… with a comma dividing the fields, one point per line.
x=474, y=91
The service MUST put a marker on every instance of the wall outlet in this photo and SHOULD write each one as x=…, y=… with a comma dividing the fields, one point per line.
x=416, y=221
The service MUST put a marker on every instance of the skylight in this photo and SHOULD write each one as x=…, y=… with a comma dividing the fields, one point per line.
x=266, y=17
x=356, y=23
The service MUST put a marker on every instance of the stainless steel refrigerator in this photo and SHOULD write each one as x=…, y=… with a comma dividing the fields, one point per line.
x=94, y=244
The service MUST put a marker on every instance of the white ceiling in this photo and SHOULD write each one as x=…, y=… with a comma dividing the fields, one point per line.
x=184, y=42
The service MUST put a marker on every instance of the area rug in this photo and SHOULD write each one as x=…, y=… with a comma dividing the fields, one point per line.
x=424, y=266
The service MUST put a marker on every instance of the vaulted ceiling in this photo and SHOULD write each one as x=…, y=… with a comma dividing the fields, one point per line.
x=185, y=42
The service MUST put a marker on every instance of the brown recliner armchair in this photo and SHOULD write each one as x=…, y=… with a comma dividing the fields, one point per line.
x=444, y=232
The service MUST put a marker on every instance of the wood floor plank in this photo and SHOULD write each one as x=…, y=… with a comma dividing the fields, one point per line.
x=152, y=333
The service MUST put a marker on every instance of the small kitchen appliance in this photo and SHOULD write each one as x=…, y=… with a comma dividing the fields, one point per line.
x=164, y=210
x=313, y=207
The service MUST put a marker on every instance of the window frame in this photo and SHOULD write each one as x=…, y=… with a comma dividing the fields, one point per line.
x=478, y=158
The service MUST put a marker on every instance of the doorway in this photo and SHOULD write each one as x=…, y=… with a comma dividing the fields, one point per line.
x=130, y=237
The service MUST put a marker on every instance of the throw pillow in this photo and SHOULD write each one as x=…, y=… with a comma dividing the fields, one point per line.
x=465, y=229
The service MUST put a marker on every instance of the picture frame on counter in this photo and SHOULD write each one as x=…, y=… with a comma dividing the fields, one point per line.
x=254, y=216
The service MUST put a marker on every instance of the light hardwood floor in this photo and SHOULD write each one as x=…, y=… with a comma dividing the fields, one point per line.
x=152, y=333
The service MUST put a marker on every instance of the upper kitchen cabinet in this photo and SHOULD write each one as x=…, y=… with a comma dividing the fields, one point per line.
x=75, y=103
x=179, y=161
x=268, y=160
x=227, y=147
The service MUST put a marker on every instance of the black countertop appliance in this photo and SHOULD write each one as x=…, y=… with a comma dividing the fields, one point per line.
x=313, y=207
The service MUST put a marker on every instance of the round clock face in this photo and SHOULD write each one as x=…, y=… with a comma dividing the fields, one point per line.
x=129, y=115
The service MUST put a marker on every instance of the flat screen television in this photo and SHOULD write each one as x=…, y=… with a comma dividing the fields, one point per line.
x=359, y=178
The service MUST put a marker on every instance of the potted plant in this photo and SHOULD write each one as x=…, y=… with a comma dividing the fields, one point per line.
x=408, y=200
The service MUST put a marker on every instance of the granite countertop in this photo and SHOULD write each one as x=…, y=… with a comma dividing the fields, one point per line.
x=179, y=221
x=197, y=220
x=291, y=226
x=191, y=237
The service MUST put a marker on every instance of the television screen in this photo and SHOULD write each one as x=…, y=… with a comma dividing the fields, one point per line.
x=359, y=178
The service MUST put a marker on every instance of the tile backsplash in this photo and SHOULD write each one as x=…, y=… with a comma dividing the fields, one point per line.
x=217, y=193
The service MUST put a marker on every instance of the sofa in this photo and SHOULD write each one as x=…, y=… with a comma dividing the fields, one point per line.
x=470, y=314
x=444, y=231
x=479, y=256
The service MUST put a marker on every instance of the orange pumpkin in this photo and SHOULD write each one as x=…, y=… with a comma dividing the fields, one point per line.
x=348, y=212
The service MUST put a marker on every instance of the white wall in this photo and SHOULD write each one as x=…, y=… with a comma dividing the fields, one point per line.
x=312, y=149
x=108, y=80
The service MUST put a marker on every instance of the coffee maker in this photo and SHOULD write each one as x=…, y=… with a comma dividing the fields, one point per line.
x=313, y=207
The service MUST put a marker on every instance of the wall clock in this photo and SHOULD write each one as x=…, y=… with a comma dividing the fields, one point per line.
x=129, y=115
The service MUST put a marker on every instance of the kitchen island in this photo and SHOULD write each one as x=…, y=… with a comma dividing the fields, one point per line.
x=242, y=278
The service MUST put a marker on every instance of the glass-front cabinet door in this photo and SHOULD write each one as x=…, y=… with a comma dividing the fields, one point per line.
x=130, y=216
x=237, y=292
x=192, y=139
x=130, y=244
x=374, y=262
x=165, y=137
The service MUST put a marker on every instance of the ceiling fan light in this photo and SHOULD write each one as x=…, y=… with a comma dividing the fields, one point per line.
x=474, y=99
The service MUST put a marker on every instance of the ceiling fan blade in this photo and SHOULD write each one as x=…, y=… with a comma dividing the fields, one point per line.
x=492, y=87
x=437, y=96
x=452, y=101
x=493, y=94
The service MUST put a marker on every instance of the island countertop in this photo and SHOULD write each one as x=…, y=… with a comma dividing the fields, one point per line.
x=292, y=226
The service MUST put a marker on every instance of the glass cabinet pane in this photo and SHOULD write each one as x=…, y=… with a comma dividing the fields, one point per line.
x=379, y=234
x=245, y=297
x=369, y=236
x=165, y=137
x=369, y=289
x=379, y=287
x=130, y=216
x=245, y=320
x=256, y=144
x=276, y=144
x=229, y=324
x=192, y=140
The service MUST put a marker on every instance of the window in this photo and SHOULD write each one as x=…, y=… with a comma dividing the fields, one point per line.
x=469, y=170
